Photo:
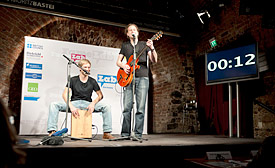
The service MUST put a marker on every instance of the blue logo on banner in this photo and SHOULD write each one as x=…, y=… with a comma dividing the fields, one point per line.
x=35, y=46
x=34, y=66
x=33, y=75
x=106, y=79
x=29, y=45
x=31, y=98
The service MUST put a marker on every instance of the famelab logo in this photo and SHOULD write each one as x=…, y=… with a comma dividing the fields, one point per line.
x=77, y=57
x=108, y=79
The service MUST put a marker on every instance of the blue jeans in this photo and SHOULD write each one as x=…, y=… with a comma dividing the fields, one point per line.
x=55, y=107
x=141, y=90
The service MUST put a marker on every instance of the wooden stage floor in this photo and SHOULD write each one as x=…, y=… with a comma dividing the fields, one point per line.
x=159, y=149
x=153, y=140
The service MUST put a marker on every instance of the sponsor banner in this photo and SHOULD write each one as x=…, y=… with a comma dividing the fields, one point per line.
x=34, y=66
x=33, y=55
x=32, y=87
x=34, y=46
x=30, y=98
x=33, y=75
x=45, y=77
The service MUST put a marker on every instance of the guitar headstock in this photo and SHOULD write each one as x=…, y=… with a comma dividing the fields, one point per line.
x=157, y=36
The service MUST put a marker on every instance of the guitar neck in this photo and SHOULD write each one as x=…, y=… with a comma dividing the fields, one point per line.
x=140, y=53
x=144, y=48
x=155, y=37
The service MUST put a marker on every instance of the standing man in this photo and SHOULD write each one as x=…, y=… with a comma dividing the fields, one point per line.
x=141, y=79
x=82, y=87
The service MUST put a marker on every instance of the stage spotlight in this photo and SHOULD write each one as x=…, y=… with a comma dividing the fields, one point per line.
x=203, y=13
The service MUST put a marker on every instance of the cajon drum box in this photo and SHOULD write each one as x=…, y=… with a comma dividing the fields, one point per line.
x=81, y=126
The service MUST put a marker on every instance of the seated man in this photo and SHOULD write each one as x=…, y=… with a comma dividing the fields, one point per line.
x=82, y=87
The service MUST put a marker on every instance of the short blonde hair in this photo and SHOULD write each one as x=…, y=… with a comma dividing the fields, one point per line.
x=83, y=61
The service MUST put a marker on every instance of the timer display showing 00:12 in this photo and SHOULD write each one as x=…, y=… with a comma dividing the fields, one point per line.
x=223, y=63
x=236, y=64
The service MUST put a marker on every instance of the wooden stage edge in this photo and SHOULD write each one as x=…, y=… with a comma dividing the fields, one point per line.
x=153, y=140
x=160, y=147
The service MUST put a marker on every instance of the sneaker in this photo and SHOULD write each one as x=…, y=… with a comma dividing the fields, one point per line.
x=107, y=136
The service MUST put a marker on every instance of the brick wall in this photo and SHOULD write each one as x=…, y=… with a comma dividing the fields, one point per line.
x=14, y=25
x=173, y=86
x=172, y=79
x=264, y=121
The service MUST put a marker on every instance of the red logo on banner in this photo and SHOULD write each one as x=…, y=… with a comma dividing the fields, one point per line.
x=77, y=57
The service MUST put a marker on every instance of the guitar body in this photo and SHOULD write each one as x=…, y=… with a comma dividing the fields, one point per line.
x=123, y=78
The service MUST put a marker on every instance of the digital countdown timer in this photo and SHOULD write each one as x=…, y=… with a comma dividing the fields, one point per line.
x=232, y=65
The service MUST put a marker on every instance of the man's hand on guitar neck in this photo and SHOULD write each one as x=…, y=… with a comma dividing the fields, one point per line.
x=149, y=43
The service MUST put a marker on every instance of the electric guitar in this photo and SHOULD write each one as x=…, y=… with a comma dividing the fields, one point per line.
x=125, y=79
